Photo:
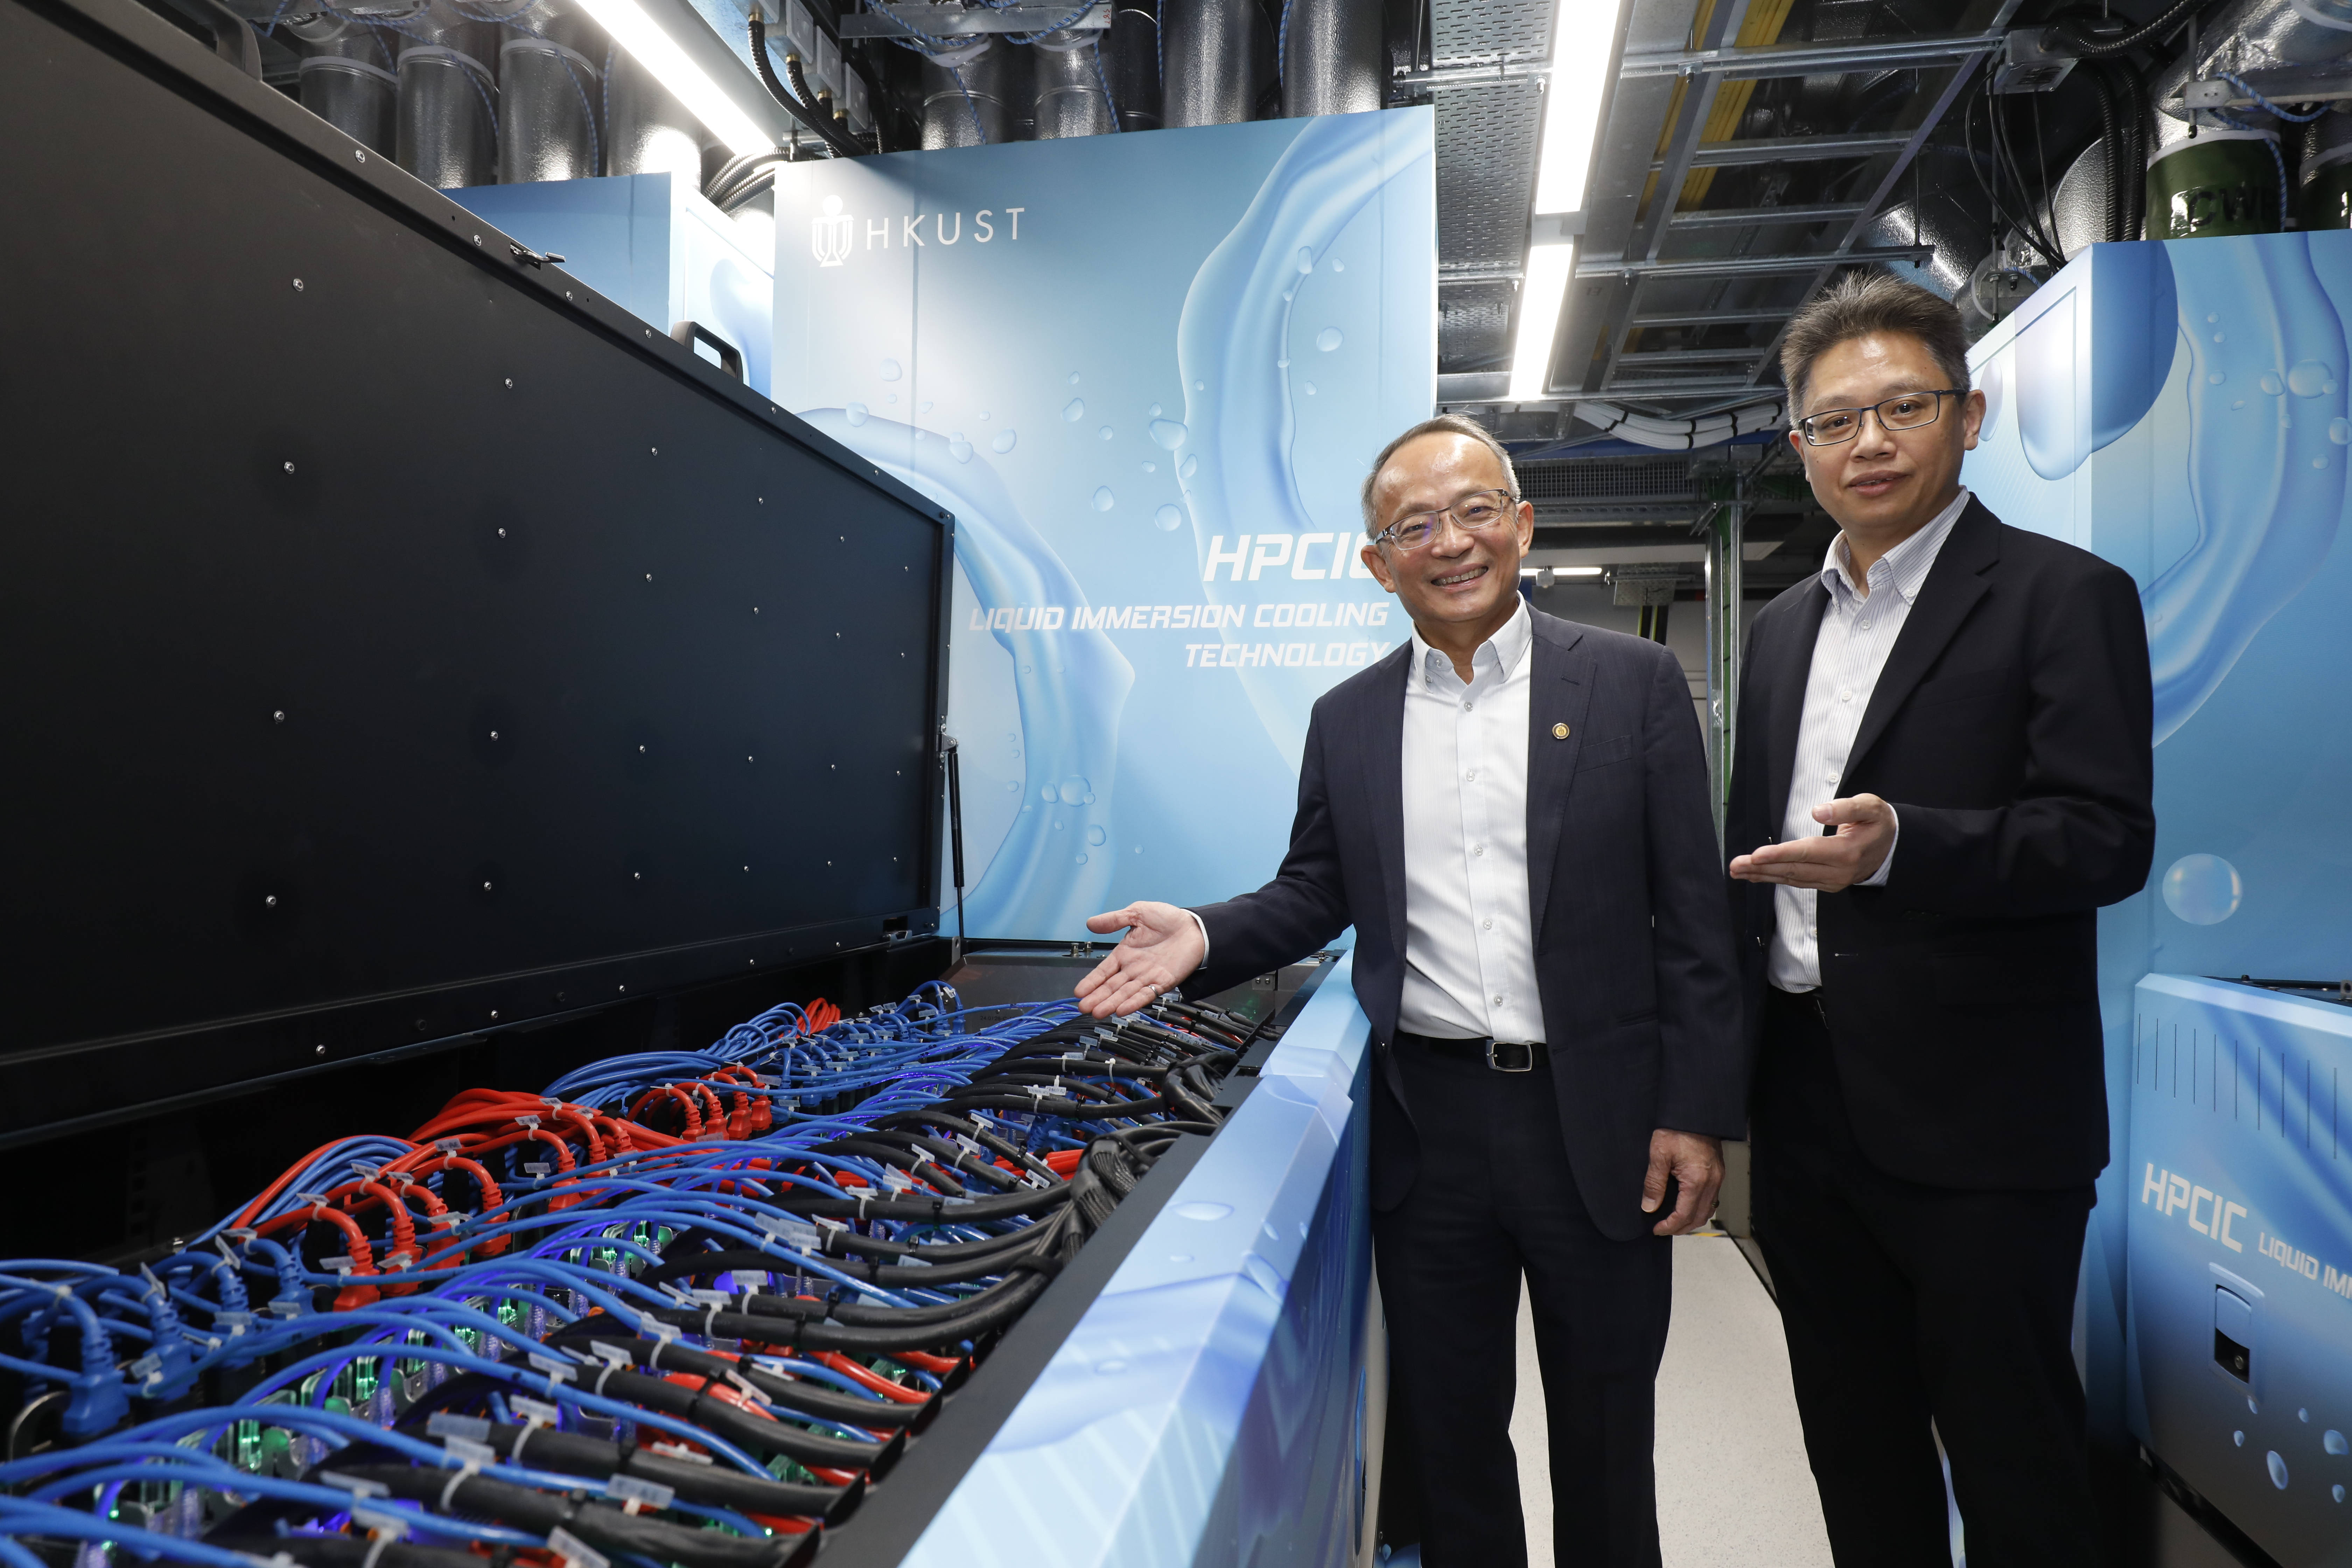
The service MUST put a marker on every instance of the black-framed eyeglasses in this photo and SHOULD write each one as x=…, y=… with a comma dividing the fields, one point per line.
x=1473, y=513
x=1904, y=411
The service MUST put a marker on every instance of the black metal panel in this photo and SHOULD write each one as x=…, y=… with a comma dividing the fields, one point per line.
x=400, y=641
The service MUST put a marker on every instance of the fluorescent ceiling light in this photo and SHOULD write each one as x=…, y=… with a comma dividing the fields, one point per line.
x=1583, y=43
x=659, y=53
x=1563, y=570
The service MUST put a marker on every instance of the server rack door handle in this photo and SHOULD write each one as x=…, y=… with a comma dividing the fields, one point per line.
x=731, y=358
x=232, y=40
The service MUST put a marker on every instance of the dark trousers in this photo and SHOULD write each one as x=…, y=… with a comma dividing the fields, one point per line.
x=1493, y=1197
x=1906, y=1305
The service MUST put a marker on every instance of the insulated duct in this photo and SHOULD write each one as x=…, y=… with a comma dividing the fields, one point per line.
x=965, y=92
x=2252, y=34
x=1209, y=49
x=647, y=130
x=350, y=77
x=1070, y=79
x=1131, y=54
x=552, y=75
x=1330, y=57
x=449, y=124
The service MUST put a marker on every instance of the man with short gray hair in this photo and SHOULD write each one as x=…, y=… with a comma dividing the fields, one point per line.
x=1942, y=772
x=1511, y=811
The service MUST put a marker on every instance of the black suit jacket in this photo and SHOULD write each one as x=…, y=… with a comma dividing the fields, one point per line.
x=2010, y=730
x=1633, y=946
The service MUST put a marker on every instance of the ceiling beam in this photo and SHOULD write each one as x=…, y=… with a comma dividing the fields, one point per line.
x=1759, y=218
x=1765, y=60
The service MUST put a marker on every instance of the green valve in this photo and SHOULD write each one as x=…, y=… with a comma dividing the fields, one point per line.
x=2220, y=183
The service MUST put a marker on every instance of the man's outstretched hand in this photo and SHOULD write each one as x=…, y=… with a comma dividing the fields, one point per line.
x=1696, y=1162
x=1164, y=946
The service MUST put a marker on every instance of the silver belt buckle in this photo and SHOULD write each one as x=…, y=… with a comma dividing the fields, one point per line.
x=1527, y=1064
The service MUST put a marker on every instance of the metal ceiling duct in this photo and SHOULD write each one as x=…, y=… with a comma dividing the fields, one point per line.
x=646, y=129
x=964, y=95
x=1208, y=60
x=349, y=78
x=1328, y=56
x=448, y=135
x=1071, y=98
x=2252, y=34
x=552, y=75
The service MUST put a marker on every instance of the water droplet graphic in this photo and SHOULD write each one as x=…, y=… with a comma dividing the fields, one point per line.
x=1199, y=386
x=2216, y=377
x=1282, y=365
x=2203, y=890
x=890, y=371
x=1045, y=792
x=1075, y=410
x=1073, y=790
x=2278, y=1469
x=1306, y=259
x=1187, y=468
x=2333, y=1443
x=1327, y=339
x=986, y=415
x=2303, y=1416
x=1167, y=519
x=1168, y=435
x=2319, y=462
x=1073, y=378
x=2212, y=318
x=1090, y=798
x=1080, y=858
x=1013, y=786
x=889, y=397
x=2238, y=1439
x=2271, y=383
x=2339, y=1491
x=1155, y=411
x=1338, y=266
x=2240, y=403
x=1104, y=500
x=1003, y=440
x=924, y=408
x=958, y=447
x=1310, y=389
x=1199, y=1209
x=1290, y=293
x=1150, y=468
x=1095, y=834
x=2217, y=337
x=1106, y=432
x=856, y=412
x=2308, y=379
x=1112, y=1367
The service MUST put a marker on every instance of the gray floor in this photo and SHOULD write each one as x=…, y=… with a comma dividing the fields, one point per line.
x=1732, y=1482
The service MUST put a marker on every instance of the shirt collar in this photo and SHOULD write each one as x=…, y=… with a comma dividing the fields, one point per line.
x=1498, y=655
x=1903, y=568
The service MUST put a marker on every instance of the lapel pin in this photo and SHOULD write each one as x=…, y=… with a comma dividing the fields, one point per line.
x=1560, y=731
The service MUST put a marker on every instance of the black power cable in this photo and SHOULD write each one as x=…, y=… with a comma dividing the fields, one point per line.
x=2112, y=148
x=2069, y=35
x=806, y=113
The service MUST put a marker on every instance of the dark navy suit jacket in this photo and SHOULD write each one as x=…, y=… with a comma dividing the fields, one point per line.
x=1633, y=937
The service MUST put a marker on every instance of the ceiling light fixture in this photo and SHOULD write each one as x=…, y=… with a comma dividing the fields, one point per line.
x=1583, y=43
x=653, y=48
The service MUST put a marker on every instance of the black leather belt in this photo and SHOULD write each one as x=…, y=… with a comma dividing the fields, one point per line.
x=1503, y=1055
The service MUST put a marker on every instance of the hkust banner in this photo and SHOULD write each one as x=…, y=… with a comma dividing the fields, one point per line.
x=1148, y=373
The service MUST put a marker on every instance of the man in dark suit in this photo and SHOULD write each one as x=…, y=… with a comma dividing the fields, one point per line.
x=1942, y=770
x=1511, y=810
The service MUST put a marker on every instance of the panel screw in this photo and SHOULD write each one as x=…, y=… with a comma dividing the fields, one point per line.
x=317, y=1050
x=502, y=533
x=641, y=750
x=297, y=285
x=624, y=988
x=655, y=450
x=494, y=1012
x=640, y=876
x=649, y=576
x=270, y=900
x=494, y=735
x=509, y=384
x=763, y=500
x=750, y=759
x=279, y=717
x=755, y=609
x=486, y=888
x=361, y=154
x=477, y=240
x=289, y=468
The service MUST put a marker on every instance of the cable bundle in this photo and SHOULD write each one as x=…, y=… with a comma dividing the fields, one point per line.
x=682, y=1308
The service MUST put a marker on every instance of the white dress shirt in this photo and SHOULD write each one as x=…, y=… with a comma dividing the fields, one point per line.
x=1469, y=941
x=1857, y=633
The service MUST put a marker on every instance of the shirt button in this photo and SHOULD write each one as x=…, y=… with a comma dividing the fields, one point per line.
x=1468, y=706
x=1486, y=925
x=1498, y=1001
x=1845, y=696
x=1478, y=849
x=1863, y=625
x=1472, y=775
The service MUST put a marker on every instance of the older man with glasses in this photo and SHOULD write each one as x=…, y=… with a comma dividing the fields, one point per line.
x=1512, y=812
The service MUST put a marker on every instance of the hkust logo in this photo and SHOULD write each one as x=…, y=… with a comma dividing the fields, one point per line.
x=834, y=234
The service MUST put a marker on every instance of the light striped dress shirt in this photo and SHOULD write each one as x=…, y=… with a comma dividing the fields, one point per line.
x=1857, y=634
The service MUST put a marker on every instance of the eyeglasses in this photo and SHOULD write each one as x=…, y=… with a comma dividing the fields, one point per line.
x=1473, y=513
x=1904, y=411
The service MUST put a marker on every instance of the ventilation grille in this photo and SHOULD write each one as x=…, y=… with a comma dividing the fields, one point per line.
x=1666, y=478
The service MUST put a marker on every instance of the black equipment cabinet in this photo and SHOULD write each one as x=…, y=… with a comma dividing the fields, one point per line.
x=402, y=642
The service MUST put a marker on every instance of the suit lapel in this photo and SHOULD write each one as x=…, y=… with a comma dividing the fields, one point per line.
x=1783, y=668
x=1954, y=585
x=1560, y=692
x=1382, y=732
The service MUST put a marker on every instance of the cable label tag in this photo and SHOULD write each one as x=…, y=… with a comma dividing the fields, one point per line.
x=353, y=1484
x=373, y=1520
x=574, y=1551
x=533, y=1412
x=560, y=1371
x=449, y=1145
x=466, y=1451
x=611, y=1355
x=793, y=1233
x=680, y=1451
x=897, y=1180
x=444, y=1424
x=538, y=1168
x=642, y=1493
